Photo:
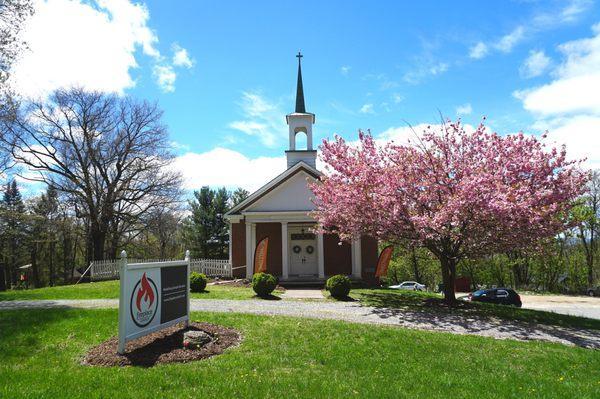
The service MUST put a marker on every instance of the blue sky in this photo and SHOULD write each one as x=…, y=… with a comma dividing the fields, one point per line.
x=225, y=72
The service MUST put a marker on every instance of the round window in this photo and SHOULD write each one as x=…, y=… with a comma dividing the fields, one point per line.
x=310, y=249
x=296, y=249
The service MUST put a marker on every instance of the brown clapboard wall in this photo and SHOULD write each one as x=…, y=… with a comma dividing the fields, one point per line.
x=338, y=258
x=273, y=231
x=369, y=256
x=238, y=248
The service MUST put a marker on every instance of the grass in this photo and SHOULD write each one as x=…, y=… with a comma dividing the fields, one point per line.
x=98, y=290
x=430, y=302
x=292, y=358
x=110, y=290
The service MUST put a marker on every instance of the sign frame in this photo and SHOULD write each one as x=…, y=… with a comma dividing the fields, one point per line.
x=125, y=270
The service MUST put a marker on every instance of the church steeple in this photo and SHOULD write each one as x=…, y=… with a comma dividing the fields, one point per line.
x=300, y=122
x=300, y=108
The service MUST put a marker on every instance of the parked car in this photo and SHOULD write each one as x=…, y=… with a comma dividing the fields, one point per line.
x=500, y=296
x=594, y=291
x=409, y=285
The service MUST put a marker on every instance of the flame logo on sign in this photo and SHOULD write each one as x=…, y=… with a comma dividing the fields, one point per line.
x=145, y=292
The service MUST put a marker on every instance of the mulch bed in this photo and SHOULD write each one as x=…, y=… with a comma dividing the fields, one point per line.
x=164, y=346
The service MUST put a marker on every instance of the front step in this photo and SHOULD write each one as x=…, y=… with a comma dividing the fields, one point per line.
x=302, y=283
x=314, y=283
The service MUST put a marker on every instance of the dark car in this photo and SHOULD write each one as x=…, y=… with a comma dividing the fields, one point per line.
x=499, y=296
x=595, y=291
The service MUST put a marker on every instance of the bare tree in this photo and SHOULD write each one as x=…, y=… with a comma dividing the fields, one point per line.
x=110, y=155
x=13, y=14
x=589, y=216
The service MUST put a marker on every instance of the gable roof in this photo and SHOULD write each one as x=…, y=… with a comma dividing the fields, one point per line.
x=277, y=181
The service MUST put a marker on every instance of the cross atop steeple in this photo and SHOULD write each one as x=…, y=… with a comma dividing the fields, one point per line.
x=300, y=122
x=300, y=107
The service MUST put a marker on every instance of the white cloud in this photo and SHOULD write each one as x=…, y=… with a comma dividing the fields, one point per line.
x=507, y=42
x=478, y=51
x=570, y=12
x=344, y=70
x=263, y=119
x=438, y=68
x=535, y=65
x=234, y=169
x=425, y=69
x=90, y=45
x=464, y=109
x=181, y=57
x=569, y=106
x=366, y=109
x=576, y=84
x=165, y=77
x=570, y=95
x=397, y=98
x=555, y=16
x=580, y=133
x=402, y=134
x=410, y=134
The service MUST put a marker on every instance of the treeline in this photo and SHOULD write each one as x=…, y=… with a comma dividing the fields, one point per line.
x=105, y=166
x=42, y=242
x=567, y=263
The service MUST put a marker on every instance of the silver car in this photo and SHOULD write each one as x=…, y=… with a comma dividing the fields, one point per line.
x=409, y=285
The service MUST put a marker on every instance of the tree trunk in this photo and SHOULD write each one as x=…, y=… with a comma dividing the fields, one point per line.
x=98, y=239
x=51, y=265
x=34, y=267
x=449, y=277
x=415, y=263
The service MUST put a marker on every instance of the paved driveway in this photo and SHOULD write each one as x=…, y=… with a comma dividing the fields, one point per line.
x=572, y=305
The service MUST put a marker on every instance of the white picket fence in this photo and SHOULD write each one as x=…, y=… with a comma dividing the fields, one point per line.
x=109, y=269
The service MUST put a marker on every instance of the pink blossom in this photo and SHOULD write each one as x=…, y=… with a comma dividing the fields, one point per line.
x=459, y=194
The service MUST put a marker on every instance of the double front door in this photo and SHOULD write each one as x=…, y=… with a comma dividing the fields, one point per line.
x=302, y=252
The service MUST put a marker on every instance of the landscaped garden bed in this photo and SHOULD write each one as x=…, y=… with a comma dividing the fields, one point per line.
x=164, y=346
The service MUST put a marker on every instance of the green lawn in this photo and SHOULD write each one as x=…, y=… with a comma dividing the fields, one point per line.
x=290, y=358
x=110, y=289
x=430, y=302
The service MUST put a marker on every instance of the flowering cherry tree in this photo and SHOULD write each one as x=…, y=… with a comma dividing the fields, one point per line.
x=459, y=194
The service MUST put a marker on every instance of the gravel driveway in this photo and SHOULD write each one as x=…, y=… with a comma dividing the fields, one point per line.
x=571, y=305
x=355, y=313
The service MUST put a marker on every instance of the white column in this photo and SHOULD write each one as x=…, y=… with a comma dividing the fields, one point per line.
x=356, y=258
x=230, y=243
x=321, y=254
x=249, y=250
x=253, y=245
x=285, y=265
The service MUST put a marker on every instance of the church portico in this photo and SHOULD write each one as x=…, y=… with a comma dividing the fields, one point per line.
x=281, y=210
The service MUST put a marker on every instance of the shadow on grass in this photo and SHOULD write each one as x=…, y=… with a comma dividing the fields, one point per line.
x=429, y=311
x=269, y=297
x=434, y=304
x=343, y=299
x=19, y=325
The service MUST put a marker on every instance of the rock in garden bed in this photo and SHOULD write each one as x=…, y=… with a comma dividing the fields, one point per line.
x=164, y=346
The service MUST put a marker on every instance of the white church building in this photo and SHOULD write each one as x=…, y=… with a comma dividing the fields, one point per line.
x=281, y=210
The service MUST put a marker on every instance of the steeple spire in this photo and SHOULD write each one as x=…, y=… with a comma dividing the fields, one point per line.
x=300, y=108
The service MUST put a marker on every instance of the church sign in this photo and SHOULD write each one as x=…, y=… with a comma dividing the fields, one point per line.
x=152, y=296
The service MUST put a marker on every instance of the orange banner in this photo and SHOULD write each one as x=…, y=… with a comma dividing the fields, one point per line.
x=260, y=256
x=384, y=261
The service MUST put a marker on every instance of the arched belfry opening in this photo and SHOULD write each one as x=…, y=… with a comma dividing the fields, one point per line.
x=300, y=125
x=301, y=140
